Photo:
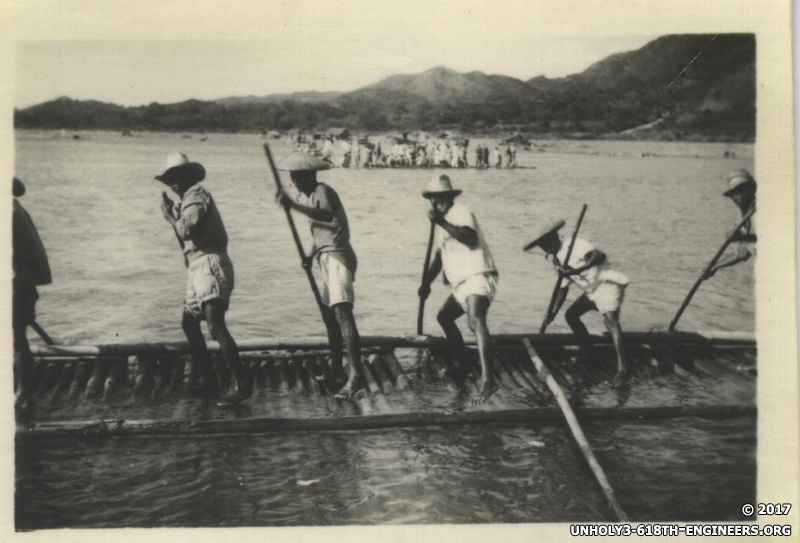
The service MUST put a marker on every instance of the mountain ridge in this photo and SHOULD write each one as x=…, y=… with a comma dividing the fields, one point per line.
x=702, y=86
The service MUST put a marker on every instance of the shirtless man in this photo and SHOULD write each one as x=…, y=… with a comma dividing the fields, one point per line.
x=337, y=261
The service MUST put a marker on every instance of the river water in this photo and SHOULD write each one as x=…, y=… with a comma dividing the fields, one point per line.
x=654, y=208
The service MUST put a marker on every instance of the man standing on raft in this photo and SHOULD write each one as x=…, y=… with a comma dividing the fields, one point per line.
x=468, y=267
x=603, y=290
x=337, y=263
x=31, y=269
x=741, y=188
x=204, y=240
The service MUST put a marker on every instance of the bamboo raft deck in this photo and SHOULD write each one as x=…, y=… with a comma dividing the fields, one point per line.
x=410, y=382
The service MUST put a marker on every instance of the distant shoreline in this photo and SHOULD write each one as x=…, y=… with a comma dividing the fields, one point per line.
x=553, y=144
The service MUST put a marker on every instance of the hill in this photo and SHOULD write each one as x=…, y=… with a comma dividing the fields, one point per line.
x=675, y=87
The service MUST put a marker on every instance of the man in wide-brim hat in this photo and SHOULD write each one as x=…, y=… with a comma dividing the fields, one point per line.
x=462, y=252
x=603, y=289
x=330, y=231
x=741, y=188
x=204, y=241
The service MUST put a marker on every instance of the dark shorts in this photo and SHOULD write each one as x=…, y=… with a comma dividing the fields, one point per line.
x=24, y=306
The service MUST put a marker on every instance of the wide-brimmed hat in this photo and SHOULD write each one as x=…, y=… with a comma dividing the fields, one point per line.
x=552, y=226
x=440, y=185
x=300, y=161
x=179, y=167
x=18, y=189
x=736, y=179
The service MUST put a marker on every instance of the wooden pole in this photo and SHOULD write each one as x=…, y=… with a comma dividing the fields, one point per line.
x=577, y=433
x=550, y=307
x=42, y=334
x=304, y=260
x=421, y=312
x=708, y=268
x=258, y=425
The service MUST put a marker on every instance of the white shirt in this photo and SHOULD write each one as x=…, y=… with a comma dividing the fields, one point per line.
x=459, y=261
x=590, y=279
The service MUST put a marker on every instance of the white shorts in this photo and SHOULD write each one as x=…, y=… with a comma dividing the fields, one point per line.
x=607, y=296
x=337, y=281
x=481, y=285
x=210, y=277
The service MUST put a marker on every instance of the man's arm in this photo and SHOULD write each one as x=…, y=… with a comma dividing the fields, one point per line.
x=327, y=202
x=742, y=255
x=463, y=234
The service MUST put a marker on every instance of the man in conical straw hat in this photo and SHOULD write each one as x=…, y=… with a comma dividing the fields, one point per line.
x=337, y=262
x=603, y=289
x=462, y=252
x=741, y=188
x=204, y=240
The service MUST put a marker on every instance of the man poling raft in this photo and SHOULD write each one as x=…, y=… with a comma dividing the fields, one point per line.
x=337, y=262
x=603, y=289
x=204, y=241
x=462, y=252
x=741, y=188
x=31, y=269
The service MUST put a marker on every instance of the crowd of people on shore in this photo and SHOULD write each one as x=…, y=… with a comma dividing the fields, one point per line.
x=462, y=254
x=400, y=152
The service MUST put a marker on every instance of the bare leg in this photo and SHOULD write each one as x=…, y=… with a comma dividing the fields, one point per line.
x=477, y=307
x=201, y=377
x=23, y=363
x=214, y=312
x=451, y=310
x=349, y=331
x=573, y=316
x=335, y=378
x=612, y=323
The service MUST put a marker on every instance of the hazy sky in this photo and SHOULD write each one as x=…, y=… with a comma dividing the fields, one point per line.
x=140, y=72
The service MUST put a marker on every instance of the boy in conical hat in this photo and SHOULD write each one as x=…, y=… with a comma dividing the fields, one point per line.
x=204, y=241
x=462, y=252
x=741, y=188
x=603, y=289
x=337, y=261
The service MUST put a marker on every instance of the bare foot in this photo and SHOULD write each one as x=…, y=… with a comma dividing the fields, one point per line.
x=619, y=378
x=236, y=397
x=350, y=389
x=487, y=389
x=585, y=357
x=333, y=379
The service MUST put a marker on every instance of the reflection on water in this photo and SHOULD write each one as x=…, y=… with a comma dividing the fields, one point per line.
x=472, y=474
x=118, y=275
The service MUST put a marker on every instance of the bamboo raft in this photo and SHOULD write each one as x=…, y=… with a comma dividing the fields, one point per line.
x=410, y=381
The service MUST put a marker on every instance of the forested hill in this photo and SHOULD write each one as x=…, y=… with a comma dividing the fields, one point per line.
x=675, y=87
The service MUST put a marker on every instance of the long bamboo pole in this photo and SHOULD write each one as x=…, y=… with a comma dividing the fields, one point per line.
x=577, y=433
x=528, y=416
x=708, y=268
x=560, y=279
x=42, y=334
x=298, y=243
